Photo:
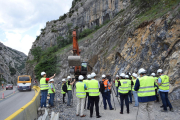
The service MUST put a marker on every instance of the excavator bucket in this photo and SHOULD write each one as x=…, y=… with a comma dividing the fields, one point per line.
x=74, y=60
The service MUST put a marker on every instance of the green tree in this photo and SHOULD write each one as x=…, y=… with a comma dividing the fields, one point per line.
x=36, y=52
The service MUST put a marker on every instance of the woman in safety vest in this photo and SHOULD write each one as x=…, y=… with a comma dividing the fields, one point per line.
x=51, y=91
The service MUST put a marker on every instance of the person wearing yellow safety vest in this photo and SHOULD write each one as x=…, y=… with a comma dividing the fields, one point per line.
x=163, y=83
x=62, y=92
x=44, y=88
x=87, y=92
x=156, y=87
x=81, y=95
x=116, y=84
x=93, y=87
x=51, y=91
x=134, y=78
x=146, y=96
x=129, y=93
x=69, y=89
x=123, y=89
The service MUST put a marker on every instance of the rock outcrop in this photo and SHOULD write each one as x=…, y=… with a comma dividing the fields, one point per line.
x=12, y=64
x=126, y=44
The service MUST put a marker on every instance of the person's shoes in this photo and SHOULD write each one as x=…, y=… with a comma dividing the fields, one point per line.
x=127, y=112
x=171, y=110
x=116, y=96
x=130, y=102
x=163, y=110
x=77, y=115
x=83, y=116
x=121, y=112
x=88, y=108
x=112, y=109
x=90, y=116
x=98, y=116
x=105, y=109
x=161, y=106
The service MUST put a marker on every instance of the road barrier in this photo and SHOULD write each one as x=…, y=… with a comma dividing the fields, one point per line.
x=28, y=111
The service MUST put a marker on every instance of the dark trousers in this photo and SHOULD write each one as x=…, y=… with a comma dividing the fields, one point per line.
x=122, y=98
x=64, y=95
x=165, y=100
x=87, y=98
x=94, y=100
x=130, y=96
x=51, y=100
x=107, y=96
x=43, y=97
x=157, y=97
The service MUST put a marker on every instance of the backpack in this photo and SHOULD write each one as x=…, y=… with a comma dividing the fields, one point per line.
x=64, y=88
x=102, y=88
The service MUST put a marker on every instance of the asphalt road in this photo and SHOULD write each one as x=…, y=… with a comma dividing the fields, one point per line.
x=13, y=101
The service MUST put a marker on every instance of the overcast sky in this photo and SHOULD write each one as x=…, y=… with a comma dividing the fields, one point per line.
x=21, y=20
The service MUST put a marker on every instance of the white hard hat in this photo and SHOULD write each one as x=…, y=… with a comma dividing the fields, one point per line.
x=142, y=70
x=117, y=76
x=43, y=73
x=80, y=77
x=122, y=75
x=89, y=76
x=126, y=76
x=129, y=73
x=93, y=74
x=103, y=76
x=51, y=80
x=159, y=71
x=63, y=80
x=134, y=75
x=68, y=77
x=153, y=74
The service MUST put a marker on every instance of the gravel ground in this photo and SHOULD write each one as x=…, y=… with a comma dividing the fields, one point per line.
x=69, y=113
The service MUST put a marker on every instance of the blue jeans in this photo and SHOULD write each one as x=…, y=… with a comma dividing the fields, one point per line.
x=106, y=96
x=165, y=100
x=135, y=98
x=69, y=97
x=130, y=96
x=51, y=100
x=43, y=97
x=116, y=91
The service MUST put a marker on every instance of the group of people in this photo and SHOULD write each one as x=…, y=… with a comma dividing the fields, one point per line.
x=145, y=91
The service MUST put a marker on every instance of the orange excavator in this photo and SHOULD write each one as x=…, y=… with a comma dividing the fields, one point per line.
x=76, y=66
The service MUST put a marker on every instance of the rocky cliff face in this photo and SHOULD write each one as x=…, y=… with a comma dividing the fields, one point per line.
x=132, y=40
x=12, y=64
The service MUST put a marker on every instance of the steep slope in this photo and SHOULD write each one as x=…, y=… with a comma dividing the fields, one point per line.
x=142, y=35
x=12, y=64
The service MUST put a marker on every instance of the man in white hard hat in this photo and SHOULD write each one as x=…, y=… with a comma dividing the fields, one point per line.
x=146, y=95
x=81, y=95
x=123, y=89
x=163, y=82
x=156, y=85
x=93, y=87
x=44, y=88
x=69, y=89
x=106, y=93
x=63, y=92
x=51, y=92
x=116, y=84
x=134, y=78
x=87, y=92
x=129, y=93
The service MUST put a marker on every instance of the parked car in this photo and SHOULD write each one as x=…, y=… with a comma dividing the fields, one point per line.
x=9, y=86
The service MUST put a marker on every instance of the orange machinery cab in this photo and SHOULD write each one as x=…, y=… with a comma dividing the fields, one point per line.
x=24, y=82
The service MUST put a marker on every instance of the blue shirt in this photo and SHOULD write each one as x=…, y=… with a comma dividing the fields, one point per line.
x=159, y=81
x=143, y=99
x=84, y=85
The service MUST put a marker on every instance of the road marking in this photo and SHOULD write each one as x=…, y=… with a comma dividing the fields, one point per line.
x=9, y=95
x=2, y=91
